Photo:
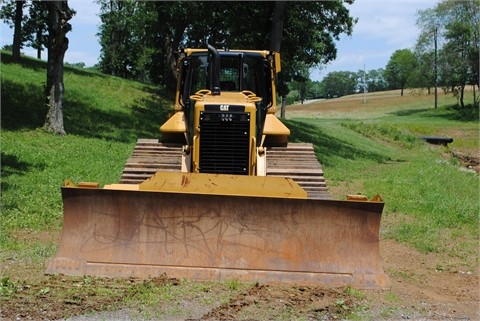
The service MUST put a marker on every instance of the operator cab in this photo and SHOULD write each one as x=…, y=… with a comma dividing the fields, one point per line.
x=239, y=71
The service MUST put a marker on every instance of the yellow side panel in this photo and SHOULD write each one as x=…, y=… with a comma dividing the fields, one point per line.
x=176, y=124
x=273, y=126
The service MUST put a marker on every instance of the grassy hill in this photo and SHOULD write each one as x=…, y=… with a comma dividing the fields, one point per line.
x=103, y=117
x=96, y=105
x=432, y=198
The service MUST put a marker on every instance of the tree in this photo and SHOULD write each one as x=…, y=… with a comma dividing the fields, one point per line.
x=310, y=31
x=279, y=26
x=17, y=35
x=450, y=39
x=462, y=24
x=399, y=68
x=58, y=16
x=29, y=30
x=376, y=80
x=12, y=14
x=301, y=84
x=426, y=49
x=171, y=34
x=116, y=37
x=314, y=90
x=340, y=83
x=276, y=36
x=276, y=32
x=36, y=27
x=138, y=38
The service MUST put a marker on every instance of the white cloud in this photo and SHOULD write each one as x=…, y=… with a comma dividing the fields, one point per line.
x=72, y=56
x=382, y=27
x=83, y=42
x=347, y=60
x=84, y=46
x=86, y=12
x=390, y=22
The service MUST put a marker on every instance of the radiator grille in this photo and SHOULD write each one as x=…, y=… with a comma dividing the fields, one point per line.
x=224, y=142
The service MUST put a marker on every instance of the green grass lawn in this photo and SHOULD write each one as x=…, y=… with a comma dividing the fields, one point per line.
x=432, y=202
x=103, y=117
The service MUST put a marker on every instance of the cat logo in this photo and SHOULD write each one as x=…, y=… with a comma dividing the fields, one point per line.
x=224, y=107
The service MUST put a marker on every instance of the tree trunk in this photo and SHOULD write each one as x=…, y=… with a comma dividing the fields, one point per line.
x=474, y=95
x=39, y=42
x=284, y=107
x=170, y=47
x=276, y=35
x=58, y=15
x=277, y=26
x=462, y=91
x=171, y=35
x=17, y=34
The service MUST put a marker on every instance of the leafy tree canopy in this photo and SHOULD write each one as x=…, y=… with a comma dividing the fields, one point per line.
x=138, y=38
x=454, y=27
x=400, y=68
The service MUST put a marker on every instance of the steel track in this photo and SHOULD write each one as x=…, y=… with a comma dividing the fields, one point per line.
x=297, y=161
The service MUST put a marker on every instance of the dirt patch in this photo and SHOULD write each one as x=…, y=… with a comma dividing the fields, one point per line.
x=471, y=162
x=420, y=290
x=423, y=287
x=435, y=287
x=261, y=302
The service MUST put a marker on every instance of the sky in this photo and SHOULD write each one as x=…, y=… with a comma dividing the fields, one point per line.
x=383, y=26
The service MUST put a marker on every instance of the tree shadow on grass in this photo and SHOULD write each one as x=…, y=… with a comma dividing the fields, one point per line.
x=12, y=165
x=455, y=112
x=410, y=112
x=140, y=120
x=24, y=108
x=327, y=146
x=41, y=65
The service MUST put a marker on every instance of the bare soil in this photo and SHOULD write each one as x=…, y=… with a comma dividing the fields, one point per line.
x=469, y=161
x=423, y=287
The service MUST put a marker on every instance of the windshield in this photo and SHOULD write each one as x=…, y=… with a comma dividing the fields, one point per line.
x=238, y=71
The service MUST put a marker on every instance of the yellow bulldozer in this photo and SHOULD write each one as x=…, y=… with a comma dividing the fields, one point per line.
x=222, y=194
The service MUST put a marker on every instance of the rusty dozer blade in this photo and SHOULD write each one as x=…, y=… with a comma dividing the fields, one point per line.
x=146, y=233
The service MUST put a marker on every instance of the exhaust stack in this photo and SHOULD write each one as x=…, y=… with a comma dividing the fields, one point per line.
x=214, y=70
